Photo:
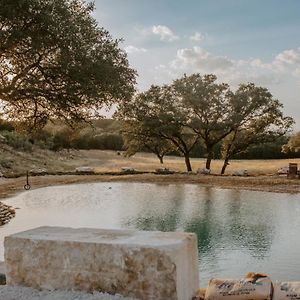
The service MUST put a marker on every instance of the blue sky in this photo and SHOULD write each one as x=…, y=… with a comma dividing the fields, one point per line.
x=238, y=40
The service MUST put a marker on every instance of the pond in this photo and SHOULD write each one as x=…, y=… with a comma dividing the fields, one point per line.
x=238, y=231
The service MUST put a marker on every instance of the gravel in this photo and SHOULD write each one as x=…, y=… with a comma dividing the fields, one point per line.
x=26, y=293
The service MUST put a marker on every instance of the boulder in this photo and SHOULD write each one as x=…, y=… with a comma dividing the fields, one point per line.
x=203, y=171
x=85, y=170
x=38, y=172
x=240, y=173
x=164, y=171
x=283, y=170
x=128, y=170
x=141, y=264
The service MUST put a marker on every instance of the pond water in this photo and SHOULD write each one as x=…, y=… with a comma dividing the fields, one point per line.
x=238, y=231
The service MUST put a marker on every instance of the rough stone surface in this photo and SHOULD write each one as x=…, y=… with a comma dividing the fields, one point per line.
x=143, y=265
x=26, y=293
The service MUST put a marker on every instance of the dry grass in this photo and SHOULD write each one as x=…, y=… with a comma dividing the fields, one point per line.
x=106, y=161
x=109, y=161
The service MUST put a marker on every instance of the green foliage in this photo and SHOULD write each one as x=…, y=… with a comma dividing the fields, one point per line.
x=269, y=150
x=208, y=106
x=17, y=141
x=258, y=118
x=5, y=125
x=293, y=144
x=198, y=111
x=159, y=115
x=56, y=62
x=137, y=138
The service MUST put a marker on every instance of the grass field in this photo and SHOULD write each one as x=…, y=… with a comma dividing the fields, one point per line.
x=109, y=161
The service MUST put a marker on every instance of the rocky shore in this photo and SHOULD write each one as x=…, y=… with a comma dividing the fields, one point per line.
x=6, y=213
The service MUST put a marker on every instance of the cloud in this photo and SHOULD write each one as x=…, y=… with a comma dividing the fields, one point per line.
x=197, y=37
x=290, y=56
x=200, y=60
x=133, y=49
x=164, y=32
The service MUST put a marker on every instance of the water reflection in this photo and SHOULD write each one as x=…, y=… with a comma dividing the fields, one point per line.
x=238, y=231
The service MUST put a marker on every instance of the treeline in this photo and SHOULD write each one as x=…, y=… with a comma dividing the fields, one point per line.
x=105, y=134
x=100, y=134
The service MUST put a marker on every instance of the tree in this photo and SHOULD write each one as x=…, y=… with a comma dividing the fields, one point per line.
x=208, y=106
x=56, y=62
x=136, y=139
x=258, y=119
x=161, y=115
x=293, y=144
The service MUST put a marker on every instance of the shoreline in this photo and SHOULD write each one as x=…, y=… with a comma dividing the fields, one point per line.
x=278, y=184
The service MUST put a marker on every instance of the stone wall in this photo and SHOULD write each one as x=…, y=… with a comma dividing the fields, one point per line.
x=140, y=264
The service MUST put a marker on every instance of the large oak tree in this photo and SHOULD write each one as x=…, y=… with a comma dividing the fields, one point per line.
x=159, y=115
x=56, y=62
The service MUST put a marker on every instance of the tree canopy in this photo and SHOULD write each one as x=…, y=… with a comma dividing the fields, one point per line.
x=198, y=109
x=258, y=119
x=56, y=62
x=208, y=106
x=159, y=114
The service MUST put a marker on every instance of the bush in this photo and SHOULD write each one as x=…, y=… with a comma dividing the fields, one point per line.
x=17, y=141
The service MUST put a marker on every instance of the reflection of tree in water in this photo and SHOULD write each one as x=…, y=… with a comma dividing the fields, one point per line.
x=248, y=227
x=205, y=225
x=225, y=222
x=162, y=221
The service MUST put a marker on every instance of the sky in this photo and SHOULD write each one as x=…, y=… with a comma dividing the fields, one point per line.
x=238, y=40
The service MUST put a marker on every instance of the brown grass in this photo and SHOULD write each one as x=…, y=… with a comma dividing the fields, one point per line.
x=105, y=161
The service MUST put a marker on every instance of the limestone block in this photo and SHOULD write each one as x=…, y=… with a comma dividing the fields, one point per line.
x=85, y=170
x=139, y=264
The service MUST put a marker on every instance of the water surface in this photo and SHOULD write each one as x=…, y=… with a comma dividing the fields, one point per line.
x=238, y=231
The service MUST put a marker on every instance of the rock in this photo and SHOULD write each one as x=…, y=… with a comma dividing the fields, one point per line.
x=164, y=171
x=203, y=171
x=128, y=170
x=283, y=170
x=240, y=173
x=85, y=170
x=38, y=172
x=26, y=293
x=139, y=264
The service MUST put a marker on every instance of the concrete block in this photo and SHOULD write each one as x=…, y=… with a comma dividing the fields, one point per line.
x=139, y=264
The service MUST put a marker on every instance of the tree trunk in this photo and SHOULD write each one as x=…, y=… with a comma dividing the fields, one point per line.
x=226, y=163
x=187, y=162
x=161, y=159
x=209, y=158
